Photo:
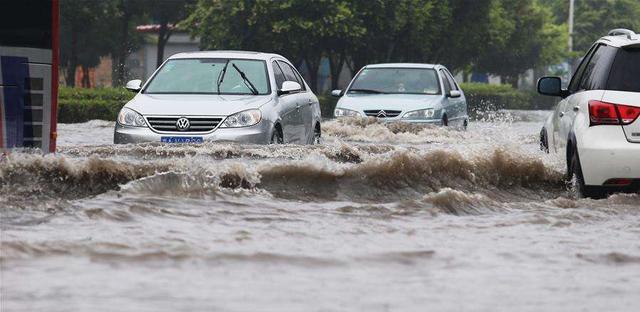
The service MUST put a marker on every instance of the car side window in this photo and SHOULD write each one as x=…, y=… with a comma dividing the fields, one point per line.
x=279, y=75
x=577, y=76
x=445, y=81
x=452, y=82
x=290, y=73
x=596, y=73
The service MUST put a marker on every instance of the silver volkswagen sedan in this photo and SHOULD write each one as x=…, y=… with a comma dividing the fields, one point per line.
x=417, y=93
x=245, y=97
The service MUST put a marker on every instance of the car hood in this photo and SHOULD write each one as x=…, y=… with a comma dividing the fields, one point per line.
x=194, y=104
x=402, y=102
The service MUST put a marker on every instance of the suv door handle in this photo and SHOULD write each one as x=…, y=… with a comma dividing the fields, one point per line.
x=561, y=114
x=298, y=106
x=310, y=102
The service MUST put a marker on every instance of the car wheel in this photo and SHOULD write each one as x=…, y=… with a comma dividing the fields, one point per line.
x=445, y=120
x=544, y=142
x=276, y=137
x=317, y=136
x=465, y=125
x=576, y=181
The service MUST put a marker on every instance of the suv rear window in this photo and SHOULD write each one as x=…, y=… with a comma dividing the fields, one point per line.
x=625, y=72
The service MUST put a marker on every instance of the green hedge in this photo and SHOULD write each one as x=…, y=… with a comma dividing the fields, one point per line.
x=485, y=97
x=80, y=105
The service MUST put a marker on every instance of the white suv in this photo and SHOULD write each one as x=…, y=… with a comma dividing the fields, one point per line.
x=596, y=124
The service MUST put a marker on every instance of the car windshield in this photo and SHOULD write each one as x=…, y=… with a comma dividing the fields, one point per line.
x=625, y=71
x=211, y=76
x=396, y=81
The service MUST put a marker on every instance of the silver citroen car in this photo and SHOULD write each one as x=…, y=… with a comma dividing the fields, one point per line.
x=245, y=97
x=417, y=93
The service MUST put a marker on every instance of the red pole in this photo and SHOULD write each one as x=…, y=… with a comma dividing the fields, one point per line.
x=55, y=43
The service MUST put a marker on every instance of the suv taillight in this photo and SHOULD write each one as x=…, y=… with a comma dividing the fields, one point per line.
x=603, y=113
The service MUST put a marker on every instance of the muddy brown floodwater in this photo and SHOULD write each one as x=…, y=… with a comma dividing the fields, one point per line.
x=377, y=218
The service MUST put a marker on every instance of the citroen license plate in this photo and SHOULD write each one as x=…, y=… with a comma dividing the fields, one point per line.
x=181, y=139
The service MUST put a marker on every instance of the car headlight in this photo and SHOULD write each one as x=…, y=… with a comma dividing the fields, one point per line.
x=130, y=118
x=341, y=112
x=243, y=119
x=419, y=114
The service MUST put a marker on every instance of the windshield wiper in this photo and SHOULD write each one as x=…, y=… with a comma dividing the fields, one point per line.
x=221, y=75
x=368, y=91
x=247, y=82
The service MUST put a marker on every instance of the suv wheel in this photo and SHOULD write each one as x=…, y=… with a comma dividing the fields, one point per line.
x=576, y=181
x=317, y=136
x=544, y=142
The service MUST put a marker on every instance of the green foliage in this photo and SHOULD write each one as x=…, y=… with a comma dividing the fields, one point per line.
x=485, y=97
x=327, y=105
x=80, y=105
x=595, y=18
x=523, y=36
x=504, y=37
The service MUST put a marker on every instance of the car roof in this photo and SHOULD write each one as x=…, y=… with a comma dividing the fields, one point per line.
x=226, y=54
x=403, y=65
x=621, y=38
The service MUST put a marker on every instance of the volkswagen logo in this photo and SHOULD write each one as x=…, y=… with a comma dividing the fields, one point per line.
x=183, y=124
x=382, y=114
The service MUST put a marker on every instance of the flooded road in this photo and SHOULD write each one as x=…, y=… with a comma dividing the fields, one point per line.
x=377, y=218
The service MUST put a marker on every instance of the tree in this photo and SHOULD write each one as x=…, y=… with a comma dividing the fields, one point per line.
x=83, y=23
x=527, y=39
x=595, y=18
x=167, y=13
x=122, y=36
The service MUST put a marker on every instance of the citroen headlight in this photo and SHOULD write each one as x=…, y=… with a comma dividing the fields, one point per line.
x=130, y=118
x=243, y=119
x=419, y=114
x=341, y=112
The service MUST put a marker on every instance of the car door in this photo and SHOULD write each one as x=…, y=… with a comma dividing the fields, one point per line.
x=306, y=109
x=589, y=87
x=447, y=106
x=458, y=104
x=560, y=123
x=298, y=129
x=289, y=108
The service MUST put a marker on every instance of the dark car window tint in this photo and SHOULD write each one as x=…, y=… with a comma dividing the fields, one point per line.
x=291, y=73
x=279, y=75
x=597, y=71
x=575, y=80
x=445, y=81
x=299, y=78
x=288, y=72
x=452, y=82
x=625, y=71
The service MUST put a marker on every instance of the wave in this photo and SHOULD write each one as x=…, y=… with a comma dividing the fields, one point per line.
x=28, y=176
x=346, y=175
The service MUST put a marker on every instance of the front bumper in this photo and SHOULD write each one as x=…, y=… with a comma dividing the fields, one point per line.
x=607, y=155
x=257, y=134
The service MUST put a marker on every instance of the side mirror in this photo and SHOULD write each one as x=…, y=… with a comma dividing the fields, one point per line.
x=336, y=93
x=455, y=94
x=134, y=85
x=289, y=87
x=551, y=86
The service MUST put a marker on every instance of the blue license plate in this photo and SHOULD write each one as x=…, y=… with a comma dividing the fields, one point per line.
x=181, y=139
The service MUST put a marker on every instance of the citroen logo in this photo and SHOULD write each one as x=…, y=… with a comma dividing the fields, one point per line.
x=382, y=114
x=183, y=124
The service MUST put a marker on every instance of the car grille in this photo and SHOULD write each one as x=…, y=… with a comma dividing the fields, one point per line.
x=197, y=124
x=387, y=113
